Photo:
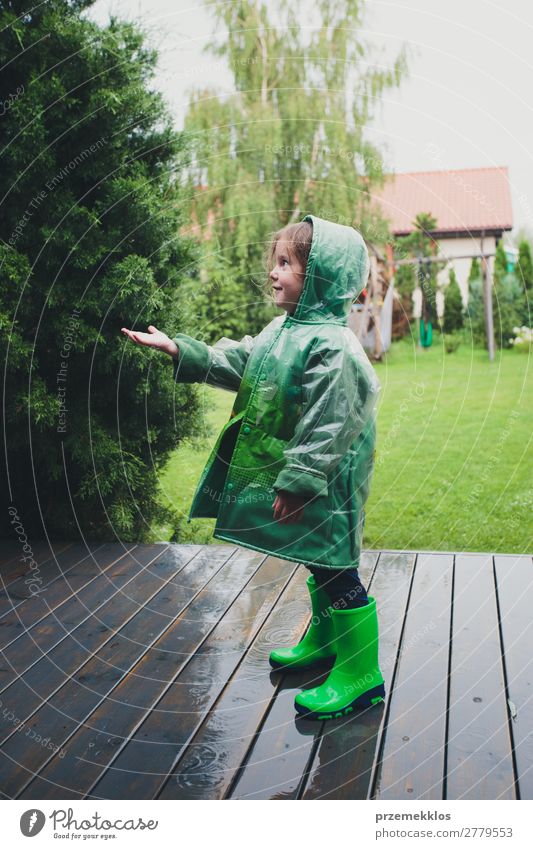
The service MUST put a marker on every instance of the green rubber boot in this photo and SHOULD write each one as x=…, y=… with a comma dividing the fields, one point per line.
x=318, y=644
x=355, y=680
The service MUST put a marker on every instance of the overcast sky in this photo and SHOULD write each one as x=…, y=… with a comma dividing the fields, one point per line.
x=467, y=102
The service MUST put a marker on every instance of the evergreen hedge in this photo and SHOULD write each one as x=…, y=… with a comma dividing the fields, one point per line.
x=89, y=242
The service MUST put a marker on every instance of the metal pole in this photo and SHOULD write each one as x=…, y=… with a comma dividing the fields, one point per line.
x=377, y=301
x=418, y=279
x=487, y=299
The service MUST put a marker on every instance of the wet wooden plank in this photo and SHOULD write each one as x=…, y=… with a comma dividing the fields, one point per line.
x=172, y=697
x=10, y=550
x=187, y=610
x=150, y=753
x=479, y=760
x=50, y=585
x=122, y=639
x=27, y=696
x=52, y=647
x=16, y=582
x=275, y=766
x=282, y=750
x=342, y=765
x=77, y=570
x=15, y=560
x=207, y=767
x=412, y=758
x=514, y=580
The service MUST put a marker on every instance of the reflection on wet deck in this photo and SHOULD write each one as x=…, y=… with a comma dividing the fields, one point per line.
x=142, y=672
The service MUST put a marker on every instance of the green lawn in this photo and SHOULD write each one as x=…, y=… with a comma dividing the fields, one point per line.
x=453, y=461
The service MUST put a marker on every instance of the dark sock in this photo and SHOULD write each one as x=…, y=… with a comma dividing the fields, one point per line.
x=343, y=586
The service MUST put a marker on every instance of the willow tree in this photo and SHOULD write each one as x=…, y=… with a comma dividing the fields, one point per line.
x=291, y=139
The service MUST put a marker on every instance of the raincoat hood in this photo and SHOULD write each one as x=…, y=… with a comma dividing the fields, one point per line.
x=337, y=271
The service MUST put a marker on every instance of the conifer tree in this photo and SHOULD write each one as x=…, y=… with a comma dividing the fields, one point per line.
x=453, y=304
x=500, y=263
x=475, y=270
x=524, y=267
x=89, y=227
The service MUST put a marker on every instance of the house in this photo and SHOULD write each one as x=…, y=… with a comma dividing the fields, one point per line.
x=472, y=207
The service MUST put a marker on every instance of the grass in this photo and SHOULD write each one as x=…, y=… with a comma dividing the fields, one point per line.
x=453, y=461
x=182, y=472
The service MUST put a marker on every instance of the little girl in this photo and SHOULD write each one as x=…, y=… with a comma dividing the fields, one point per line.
x=290, y=471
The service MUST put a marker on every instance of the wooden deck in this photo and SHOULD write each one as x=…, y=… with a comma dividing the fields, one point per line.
x=143, y=673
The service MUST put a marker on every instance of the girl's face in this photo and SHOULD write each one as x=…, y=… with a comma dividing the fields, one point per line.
x=287, y=278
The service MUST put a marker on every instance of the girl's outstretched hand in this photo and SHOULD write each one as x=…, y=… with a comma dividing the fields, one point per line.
x=153, y=339
x=288, y=508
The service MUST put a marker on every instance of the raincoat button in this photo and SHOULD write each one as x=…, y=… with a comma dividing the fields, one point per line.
x=246, y=429
x=230, y=486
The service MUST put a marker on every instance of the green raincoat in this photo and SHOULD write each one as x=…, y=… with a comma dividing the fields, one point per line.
x=303, y=419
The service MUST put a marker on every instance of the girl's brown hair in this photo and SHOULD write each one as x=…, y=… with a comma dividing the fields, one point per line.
x=298, y=238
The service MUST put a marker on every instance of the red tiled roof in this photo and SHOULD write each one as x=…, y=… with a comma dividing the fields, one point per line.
x=467, y=200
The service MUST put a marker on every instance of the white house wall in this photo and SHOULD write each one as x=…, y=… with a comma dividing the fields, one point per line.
x=448, y=249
